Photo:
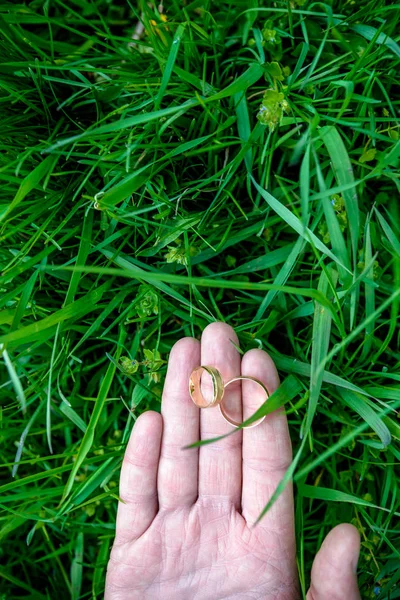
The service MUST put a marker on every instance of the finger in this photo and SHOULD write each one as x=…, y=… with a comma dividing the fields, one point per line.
x=138, y=481
x=220, y=470
x=178, y=469
x=267, y=451
x=334, y=572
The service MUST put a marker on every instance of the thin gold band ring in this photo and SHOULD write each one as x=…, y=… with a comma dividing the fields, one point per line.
x=227, y=417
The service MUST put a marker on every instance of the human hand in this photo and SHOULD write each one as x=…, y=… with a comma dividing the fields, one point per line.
x=185, y=529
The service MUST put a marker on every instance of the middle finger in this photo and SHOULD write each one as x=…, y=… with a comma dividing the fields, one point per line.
x=220, y=463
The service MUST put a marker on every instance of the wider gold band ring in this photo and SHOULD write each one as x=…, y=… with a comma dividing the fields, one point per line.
x=219, y=387
x=195, y=387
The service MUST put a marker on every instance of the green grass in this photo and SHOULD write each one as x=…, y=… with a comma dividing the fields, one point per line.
x=140, y=199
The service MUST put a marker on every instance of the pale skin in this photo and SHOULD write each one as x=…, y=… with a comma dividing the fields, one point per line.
x=185, y=529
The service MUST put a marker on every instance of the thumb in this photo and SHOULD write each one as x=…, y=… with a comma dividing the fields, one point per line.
x=334, y=571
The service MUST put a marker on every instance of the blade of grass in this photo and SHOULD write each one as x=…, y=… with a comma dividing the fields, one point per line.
x=23, y=301
x=335, y=233
x=22, y=440
x=16, y=383
x=369, y=33
x=169, y=66
x=73, y=416
x=282, y=277
x=305, y=185
x=369, y=291
x=22, y=585
x=98, y=575
x=392, y=298
x=251, y=76
x=134, y=272
x=344, y=441
x=31, y=181
x=271, y=259
x=292, y=365
x=83, y=253
x=295, y=223
x=47, y=474
x=329, y=495
x=284, y=481
x=344, y=175
x=77, y=568
x=320, y=344
x=88, y=438
x=388, y=231
x=366, y=412
x=72, y=311
x=243, y=123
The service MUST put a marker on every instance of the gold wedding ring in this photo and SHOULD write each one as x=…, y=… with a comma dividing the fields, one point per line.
x=218, y=389
x=195, y=387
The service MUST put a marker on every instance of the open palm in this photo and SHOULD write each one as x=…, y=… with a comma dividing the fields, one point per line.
x=185, y=528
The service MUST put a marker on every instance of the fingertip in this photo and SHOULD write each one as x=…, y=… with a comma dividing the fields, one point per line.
x=183, y=358
x=334, y=569
x=259, y=364
x=343, y=545
x=258, y=354
x=186, y=348
x=146, y=434
x=219, y=331
x=148, y=422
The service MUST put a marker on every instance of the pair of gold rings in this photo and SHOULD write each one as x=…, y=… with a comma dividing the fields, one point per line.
x=218, y=389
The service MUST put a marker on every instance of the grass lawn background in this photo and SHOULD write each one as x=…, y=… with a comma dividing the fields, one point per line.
x=164, y=168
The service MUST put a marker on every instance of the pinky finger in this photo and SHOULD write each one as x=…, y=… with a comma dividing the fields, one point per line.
x=138, y=482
